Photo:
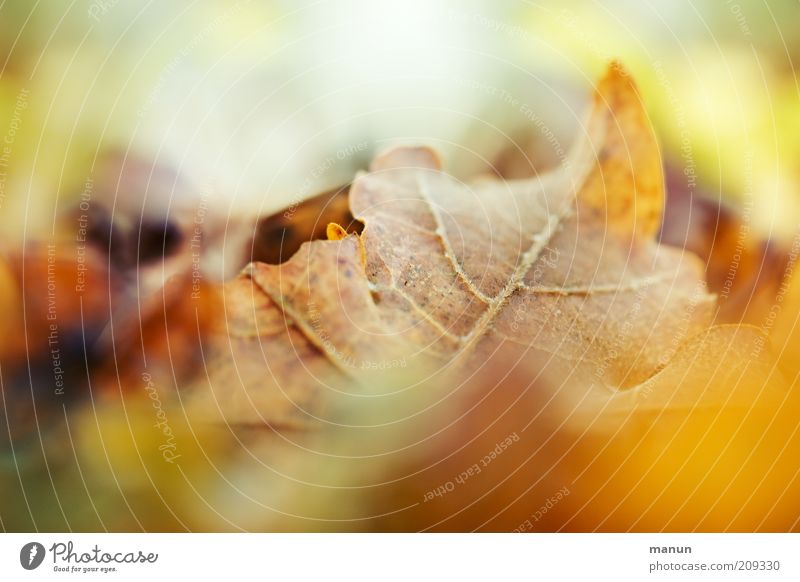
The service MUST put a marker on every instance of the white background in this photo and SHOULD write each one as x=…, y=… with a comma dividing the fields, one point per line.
x=506, y=557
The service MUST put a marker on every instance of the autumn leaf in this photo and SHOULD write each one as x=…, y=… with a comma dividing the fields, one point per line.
x=539, y=313
x=564, y=264
x=501, y=355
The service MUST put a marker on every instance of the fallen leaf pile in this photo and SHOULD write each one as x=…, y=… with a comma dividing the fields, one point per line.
x=495, y=355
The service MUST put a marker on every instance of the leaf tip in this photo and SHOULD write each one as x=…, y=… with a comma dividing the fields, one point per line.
x=624, y=180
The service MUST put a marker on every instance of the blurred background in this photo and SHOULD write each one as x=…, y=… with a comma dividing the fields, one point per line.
x=262, y=103
x=233, y=110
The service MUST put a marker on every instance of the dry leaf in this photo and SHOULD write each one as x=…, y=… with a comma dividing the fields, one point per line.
x=534, y=329
x=541, y=311
x=564, y=264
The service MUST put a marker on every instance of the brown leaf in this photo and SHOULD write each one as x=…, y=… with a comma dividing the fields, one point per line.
x=538, y=318
x=564, y=264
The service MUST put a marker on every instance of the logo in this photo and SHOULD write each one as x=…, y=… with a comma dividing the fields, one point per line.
x=31, y=555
